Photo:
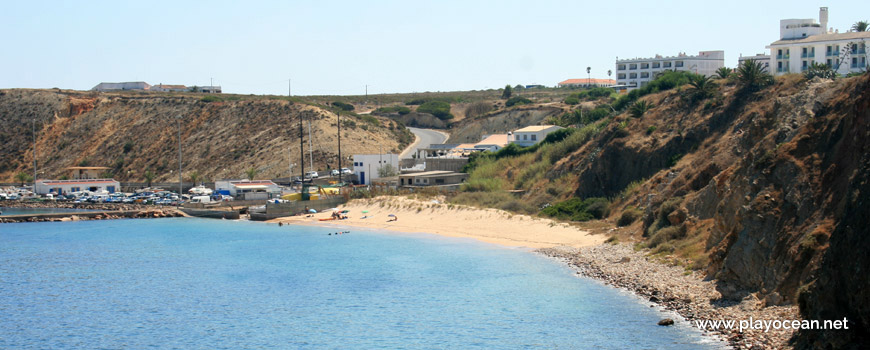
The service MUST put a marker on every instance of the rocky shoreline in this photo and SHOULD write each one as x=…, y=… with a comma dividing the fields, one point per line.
x=107, y=211
x=674, y=289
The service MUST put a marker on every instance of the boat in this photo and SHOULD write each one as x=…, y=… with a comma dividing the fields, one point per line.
x=200, y=191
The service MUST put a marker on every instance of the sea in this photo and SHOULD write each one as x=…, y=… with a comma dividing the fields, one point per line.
x=186, y=283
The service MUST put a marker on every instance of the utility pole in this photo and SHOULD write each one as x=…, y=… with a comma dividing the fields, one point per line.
x=180, y=178
x=310, y=147
x=289, y=87
x=339, y=146
x=33, y=133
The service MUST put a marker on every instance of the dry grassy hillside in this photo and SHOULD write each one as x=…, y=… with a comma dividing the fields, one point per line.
x=133, y=133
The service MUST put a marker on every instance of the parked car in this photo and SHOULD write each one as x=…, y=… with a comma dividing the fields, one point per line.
x=334, y=172
x=311, y=175
x=346, y=171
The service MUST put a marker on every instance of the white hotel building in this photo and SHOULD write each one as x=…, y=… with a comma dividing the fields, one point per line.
x=803, y=41
x=637, y=72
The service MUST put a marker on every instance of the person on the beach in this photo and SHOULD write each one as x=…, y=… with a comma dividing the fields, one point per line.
x=395, y=218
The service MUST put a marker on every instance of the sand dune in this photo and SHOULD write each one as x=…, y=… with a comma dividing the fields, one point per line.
x=429, y=216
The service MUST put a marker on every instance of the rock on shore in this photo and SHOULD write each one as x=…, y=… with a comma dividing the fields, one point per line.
x=675, y=289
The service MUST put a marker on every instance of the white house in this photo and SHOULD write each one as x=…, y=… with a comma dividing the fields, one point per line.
x=637, y=72
x=803, y=42
x=130, y=85
x=531, y=135
x=241, y=188
x=56, y=187
x=365, y=166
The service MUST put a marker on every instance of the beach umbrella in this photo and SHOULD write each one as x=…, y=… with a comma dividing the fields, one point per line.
x=312, y=211
x=345, y=211
x=365, y=211
x=392, y=215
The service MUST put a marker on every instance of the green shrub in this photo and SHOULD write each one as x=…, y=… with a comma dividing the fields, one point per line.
x=210, y=98
x=371, y=120
x=639, y=108
x=578, y=209
x=629, y=216
x=439, y=109
x=401, y=110
x=664, y=81
x=572, y=100
x=343, y=106
x=651, y=129
x=416, y=102
x=516, y=101
x=665, y=248
x=599, y=92
x=667, y=234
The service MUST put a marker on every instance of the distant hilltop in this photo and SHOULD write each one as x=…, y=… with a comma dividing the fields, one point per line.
x=143, y=86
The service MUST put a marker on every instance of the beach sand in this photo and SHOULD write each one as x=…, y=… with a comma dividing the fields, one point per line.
x=436, y=217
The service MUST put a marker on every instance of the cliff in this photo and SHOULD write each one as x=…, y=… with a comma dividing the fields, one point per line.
x=221, y=136
x=764, y=191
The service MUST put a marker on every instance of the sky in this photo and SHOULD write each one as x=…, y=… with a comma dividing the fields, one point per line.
x=340, y=47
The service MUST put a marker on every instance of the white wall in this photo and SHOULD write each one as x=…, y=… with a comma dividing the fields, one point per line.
x=365, y=166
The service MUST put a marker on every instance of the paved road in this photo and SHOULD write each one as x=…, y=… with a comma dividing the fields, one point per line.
x=425, y=137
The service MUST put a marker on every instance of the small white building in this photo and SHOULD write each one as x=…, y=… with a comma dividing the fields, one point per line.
x=637, y=72
x=56, y=187
x=803, y=42
x=247, y=188
x=129, y=85
x=531, y=135
x=366, y=166
x=492, y=143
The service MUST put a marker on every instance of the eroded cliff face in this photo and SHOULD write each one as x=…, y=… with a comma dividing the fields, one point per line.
x=133, y=133
x=773, y=186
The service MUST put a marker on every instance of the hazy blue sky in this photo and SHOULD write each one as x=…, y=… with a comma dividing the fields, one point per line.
x=337, y=47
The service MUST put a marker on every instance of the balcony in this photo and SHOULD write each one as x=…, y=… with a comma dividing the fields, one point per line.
x=808, y=55
x=832, y=54
x=782, y=57
x=858, y=52
x=782, y=70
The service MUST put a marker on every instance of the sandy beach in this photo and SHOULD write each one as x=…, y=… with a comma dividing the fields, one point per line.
x=435, y=217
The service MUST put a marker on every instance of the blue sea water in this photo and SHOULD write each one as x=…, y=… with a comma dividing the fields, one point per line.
x=211, y=284
x=20, y=211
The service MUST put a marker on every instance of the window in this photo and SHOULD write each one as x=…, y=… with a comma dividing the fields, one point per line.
x=854, y=62
x=668, y=64
x=534, y=137
x=632, y=66
x=644, y=66
x=656, y=65
x=525, y=137
x=632, y=76
x=828, y=62
x=621, y=67
x=644, y=74
x=620, y=76
x=678, y=64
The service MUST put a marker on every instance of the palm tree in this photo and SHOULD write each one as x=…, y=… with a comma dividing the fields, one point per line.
x=724, y=72
x=194, y=176
x=23, y=178
x=251, y=173
x=701, y=87
x=589, y=73
x=639, y=108
x=609, y=73
x=149, y=177
x=752, y=76
x=860, y=26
